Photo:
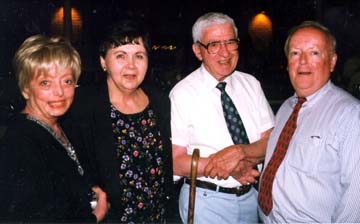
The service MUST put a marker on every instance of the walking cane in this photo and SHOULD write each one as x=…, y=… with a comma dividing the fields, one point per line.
x=193, y=175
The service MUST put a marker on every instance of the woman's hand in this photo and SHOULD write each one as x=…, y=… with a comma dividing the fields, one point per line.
x=102, y=205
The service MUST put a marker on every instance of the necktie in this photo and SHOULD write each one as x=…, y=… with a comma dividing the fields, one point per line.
x=266, y=183
x=232, y=117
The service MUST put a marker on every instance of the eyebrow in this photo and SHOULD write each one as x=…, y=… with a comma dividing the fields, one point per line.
x=118, y=51
x=298, y=48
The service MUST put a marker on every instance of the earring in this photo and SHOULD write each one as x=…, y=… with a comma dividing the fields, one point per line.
x=104, y=68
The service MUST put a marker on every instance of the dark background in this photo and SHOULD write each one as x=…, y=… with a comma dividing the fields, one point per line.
x=170, y=23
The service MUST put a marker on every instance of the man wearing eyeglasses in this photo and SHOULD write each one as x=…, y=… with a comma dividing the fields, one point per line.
x=224, y=193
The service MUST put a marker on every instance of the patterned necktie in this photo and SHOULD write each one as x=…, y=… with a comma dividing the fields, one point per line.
x=266, y=183
x=232, y=117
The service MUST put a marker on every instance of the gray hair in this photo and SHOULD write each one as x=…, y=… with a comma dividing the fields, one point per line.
x=315, y=25
x=209, y=19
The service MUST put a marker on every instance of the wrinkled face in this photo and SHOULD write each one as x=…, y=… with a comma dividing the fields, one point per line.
x=126, y=66
x=223, y=63
x=310, y=61
x=48, y=97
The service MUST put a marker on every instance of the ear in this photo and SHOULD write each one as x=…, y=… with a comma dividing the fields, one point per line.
x=333, y=62
x=25, y=93
x=197, y=51
x=102, y=63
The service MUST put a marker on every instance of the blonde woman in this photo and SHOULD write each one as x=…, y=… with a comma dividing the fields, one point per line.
x=42, y=178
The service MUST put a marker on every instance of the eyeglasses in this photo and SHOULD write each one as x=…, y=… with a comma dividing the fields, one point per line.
x=214, y=47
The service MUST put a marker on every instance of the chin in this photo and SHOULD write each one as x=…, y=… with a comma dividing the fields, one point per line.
x=58, y=113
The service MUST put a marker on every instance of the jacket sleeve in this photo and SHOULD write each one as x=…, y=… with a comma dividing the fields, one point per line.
x=20, y=173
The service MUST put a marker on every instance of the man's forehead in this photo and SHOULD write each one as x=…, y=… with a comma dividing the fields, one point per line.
x=307, y=34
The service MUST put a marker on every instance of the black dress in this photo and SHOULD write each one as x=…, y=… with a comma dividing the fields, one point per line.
x=102, y=132
x=38, y=180
x=140, y=154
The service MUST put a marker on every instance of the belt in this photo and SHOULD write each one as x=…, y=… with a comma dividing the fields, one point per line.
x=238, y=191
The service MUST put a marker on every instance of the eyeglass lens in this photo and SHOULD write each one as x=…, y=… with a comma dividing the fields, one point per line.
x=230, y=45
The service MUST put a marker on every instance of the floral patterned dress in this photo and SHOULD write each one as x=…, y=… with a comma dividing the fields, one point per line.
x=140, y=155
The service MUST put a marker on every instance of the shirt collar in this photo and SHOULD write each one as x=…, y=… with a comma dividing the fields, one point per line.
x=315, y=97
x=209, y=81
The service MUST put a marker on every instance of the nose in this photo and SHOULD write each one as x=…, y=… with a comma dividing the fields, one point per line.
x=131, y=62
x=58, y=89
x=303, y=59
x=223, y=51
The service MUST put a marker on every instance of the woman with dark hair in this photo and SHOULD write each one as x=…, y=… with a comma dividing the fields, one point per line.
x=125, y=125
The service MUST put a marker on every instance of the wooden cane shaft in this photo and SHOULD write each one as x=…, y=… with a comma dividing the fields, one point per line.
x=193, y=175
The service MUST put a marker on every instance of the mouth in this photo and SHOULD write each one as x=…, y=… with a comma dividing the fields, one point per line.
x=130, y=76
x=57, y=104
x=224, y=62
x=304, y=73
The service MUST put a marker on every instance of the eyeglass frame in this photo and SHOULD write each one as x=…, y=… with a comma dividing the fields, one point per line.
x=206, y=46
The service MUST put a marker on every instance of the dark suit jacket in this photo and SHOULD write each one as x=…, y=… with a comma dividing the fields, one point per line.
x=38, y=180
x=90, y=111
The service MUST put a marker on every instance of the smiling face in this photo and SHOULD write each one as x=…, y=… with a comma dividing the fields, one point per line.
x=310, y=61
x=223, y=63
x=49, y=96
x=126, y=66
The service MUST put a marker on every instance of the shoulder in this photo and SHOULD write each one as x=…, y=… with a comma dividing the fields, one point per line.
x=247, y=86
x=23, y=133
x=342, y=101
x=284, y=109
x=157, y=97
x=188, y=84
x=19, y=126
x=244, y=78
x=88, y=93
x=153, y=91
x=88, y=98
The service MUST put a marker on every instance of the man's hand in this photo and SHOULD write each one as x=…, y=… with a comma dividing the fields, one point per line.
x=233, y=161
x=245, y=172
x=223, y=163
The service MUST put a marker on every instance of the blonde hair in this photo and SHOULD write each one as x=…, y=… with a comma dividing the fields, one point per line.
x=38, y=54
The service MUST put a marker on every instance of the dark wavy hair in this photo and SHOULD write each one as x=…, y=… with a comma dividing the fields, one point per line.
x=122, y=32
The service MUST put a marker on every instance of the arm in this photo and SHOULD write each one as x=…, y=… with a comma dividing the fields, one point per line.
x=238, y=160
x=348, y=206
x=182, y=161
x=23, y=184
x=256, y=151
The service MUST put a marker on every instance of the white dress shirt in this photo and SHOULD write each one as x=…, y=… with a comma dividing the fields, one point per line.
x=197, y=119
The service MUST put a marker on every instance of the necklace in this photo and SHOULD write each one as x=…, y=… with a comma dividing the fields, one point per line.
x=63, y=140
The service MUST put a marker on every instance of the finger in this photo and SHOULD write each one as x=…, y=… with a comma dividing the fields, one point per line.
x=209, y=166
x=96, y=189
x=207, y=170
x=243, y=180
x=213, y=173
x=250, y=179
x=225, y=176
x=254, y=173
x=247, y=180
x=221, y=174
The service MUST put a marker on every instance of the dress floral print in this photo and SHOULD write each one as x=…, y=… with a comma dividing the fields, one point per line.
x=139, y=152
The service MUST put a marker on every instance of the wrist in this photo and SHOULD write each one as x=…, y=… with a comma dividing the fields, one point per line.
x=241, y=151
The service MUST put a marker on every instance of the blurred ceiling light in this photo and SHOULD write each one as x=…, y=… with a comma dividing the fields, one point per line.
x=57, y=23
x=260, y=30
